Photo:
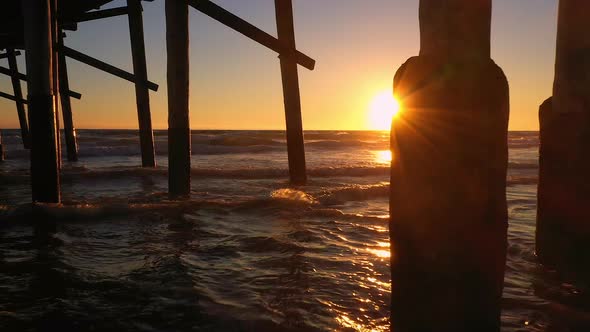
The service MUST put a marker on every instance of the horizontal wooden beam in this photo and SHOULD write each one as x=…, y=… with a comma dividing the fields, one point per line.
x=96, y=15
x=101, y=65
x=218, y=13
x=23, y=77
x=8, y=72
x=5, y=55
x=10, y=97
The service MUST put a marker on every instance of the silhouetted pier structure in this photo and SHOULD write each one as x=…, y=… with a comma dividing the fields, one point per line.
x=448, y=200
x=37, y=26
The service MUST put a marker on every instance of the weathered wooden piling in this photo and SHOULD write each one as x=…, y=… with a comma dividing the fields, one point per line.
x=563, y=218
x=55, y=72
x=292, y=100
x=1, y=148
x=66, y=106
x=448, y=177
x=45, y=178
x=18, y=94
x=179, y=136
x=290, y=57
x=142, y=95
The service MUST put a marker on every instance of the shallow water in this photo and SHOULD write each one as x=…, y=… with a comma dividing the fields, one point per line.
x=247, y=252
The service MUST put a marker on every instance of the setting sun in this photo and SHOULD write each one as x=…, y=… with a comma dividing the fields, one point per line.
x=382, y=109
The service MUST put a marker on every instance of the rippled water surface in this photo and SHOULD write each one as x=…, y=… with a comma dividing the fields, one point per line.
x=246, y=252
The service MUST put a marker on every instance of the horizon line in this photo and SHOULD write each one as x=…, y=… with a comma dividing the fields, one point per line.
x=222, y=129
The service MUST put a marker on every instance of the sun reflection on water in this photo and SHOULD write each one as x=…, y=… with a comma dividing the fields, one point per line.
x=380, y=253
x=350, y=323
x=383, y=156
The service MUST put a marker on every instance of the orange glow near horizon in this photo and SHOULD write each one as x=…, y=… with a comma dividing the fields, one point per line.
x=383, y=108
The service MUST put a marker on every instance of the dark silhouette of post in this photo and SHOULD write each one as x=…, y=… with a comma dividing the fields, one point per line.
x=179, y=136
x=18, y=94
x=45, y=179
x=55, y=73
x=448, y=175
x=295, y=145
x=563, y=216
x=142, y=94
x=1, y=148
x=66, y=106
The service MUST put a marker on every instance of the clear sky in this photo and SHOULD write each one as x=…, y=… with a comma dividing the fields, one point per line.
x=236, y=83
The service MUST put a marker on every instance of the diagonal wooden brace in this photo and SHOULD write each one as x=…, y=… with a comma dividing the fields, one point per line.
x=218, y=13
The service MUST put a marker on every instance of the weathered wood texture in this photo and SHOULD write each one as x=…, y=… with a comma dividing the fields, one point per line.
x=142, y=94
x=563, y=216
x=292, y=101
x=45, y=178
x=572, y=65
x=18, y=95
x=179, y=136
x=448, y=29
x=66, y=108
x=234, y=22
x=448, y=176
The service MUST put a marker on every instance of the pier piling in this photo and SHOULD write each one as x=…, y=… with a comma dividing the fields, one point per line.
x=448, y=175
x=1, y=148
x=55, y=74
x=18, y=94
x=563, y=216
x=66, y=107
x=45, y=178
x=179, y=136
x=146, y=135
x=292, y=99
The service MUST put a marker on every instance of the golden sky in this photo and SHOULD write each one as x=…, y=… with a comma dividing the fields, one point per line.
x=236, y=83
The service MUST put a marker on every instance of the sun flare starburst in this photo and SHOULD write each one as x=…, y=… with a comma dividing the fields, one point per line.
x=383, y=108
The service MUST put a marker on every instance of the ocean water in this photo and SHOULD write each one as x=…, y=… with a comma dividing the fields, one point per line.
x=247, y=252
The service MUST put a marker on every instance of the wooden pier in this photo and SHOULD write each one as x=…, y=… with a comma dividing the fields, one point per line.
x=456, y=103
x=38, y=27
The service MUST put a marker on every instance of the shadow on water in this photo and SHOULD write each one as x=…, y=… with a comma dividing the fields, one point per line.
x=30, y=260
x=108, y=276
x=140, y=271
x=538, y=298
x=567, y=297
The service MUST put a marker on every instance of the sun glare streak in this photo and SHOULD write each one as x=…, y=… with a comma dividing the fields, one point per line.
x=383, y=108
